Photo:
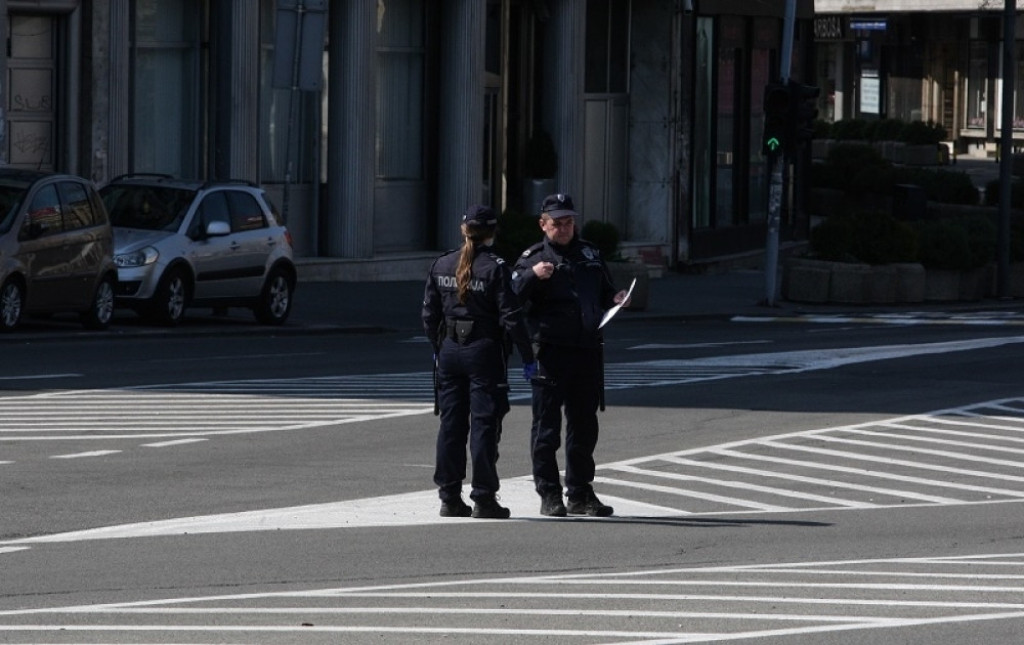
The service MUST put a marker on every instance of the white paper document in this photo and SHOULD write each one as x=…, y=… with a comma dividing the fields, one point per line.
x=614, y=310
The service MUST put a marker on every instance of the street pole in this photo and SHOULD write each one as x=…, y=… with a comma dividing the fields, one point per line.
x=777, y=160
x=1006, y=150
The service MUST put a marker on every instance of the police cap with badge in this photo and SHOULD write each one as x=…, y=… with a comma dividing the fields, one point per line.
x=478, y=215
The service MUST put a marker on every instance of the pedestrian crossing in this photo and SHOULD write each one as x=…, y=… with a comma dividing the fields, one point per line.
x=964, y=455
x=694, y=604
x=211, y=408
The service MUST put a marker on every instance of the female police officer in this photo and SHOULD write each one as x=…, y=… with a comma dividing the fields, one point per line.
x=468, y=311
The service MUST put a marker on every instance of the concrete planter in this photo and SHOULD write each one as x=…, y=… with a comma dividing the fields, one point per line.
x=820, y=281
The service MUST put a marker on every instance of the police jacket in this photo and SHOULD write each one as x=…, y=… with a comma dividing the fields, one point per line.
x=566, y=308
x=490, y=302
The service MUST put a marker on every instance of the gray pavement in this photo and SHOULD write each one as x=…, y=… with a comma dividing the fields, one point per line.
x=366, y=306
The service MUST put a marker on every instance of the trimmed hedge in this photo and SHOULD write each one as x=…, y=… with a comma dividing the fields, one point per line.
x=860, y=169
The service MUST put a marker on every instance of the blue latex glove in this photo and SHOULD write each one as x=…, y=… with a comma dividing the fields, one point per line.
x=529, y=371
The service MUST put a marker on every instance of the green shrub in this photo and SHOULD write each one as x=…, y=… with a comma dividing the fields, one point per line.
x=868, y=237
x=1016, y=193
x=848, y=129
x=603, y=235
x=516, y=233
x=943, y=186
x=861, y=169
x=956, y=243
x=922, y=133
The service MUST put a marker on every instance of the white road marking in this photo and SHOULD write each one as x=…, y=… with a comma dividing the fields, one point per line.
x=663, y=606
x=175, y=442
x=82, y=455
x=663, y=486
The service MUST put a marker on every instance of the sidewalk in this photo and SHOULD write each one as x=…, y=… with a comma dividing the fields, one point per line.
x=395, y=306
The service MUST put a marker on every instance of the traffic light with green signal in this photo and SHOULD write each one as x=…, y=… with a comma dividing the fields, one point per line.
x=777, y=113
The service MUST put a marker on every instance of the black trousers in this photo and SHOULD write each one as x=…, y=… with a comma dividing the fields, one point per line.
x=568, y=378
x=473, y=398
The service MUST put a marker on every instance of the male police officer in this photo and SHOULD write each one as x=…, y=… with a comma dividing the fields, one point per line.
x=565, y=289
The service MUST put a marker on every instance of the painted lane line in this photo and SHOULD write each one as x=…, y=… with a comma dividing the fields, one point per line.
x=697, y=345
x=82, y=455
x=814, y=480
x=781, y=492
x=655, y=488
x=857, y=456
x=918, y=450
x=953, y=433
x=935, y=440
x=872, y=474
x=176, y=442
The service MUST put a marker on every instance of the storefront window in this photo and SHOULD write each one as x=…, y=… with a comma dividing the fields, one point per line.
x=975, y=92
x=703, y=95
x=165, y=116
x=1018, y=85
x=730, y=50
x=401, y=52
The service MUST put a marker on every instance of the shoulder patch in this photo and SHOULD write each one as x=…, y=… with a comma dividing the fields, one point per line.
x=533, y=249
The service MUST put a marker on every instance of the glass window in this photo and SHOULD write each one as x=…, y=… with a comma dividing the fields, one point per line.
x=703, y=99
x=976, y=109
x=44, y=214
x=401, y=51
x=214, y=208
x=79, y=208
x=165, y=110
x=607, y=47
x=246, y=214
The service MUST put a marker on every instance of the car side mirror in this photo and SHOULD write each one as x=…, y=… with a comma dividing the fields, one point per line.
x=217, y=229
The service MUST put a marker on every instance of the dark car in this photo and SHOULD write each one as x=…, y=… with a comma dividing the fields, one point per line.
x=180, y=244
x=56, y=249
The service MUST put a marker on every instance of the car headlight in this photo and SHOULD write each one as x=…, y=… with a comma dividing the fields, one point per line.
x=142, y=257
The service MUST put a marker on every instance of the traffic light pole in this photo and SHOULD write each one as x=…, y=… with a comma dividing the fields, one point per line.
x=777, y=160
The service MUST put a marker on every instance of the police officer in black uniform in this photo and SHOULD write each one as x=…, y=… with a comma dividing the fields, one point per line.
x=469, y=314
x=565, y=288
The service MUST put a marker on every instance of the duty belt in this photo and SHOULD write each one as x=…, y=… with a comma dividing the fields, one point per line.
x=466, y=331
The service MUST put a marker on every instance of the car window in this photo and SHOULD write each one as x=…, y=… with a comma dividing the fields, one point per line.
x=151, y=208
x=10, y=200
x=44, y=216
x=78, y=213
x=246, y=214
x=214, y=208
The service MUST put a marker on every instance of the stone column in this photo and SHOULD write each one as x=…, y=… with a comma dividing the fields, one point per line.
x=351, y=128
x=565, y=48
x=460, y=177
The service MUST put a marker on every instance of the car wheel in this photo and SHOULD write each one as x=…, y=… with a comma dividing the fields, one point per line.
x=171, y=299
x=12, y=299
x=276, y=298
x=101, y=312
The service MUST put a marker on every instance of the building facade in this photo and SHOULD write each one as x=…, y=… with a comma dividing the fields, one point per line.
x=373, y=123
x=927, y=60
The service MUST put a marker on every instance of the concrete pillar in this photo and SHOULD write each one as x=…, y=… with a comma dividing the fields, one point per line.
x=351, y=128
x=244, y=152
x=462, y=115
x=565, y=48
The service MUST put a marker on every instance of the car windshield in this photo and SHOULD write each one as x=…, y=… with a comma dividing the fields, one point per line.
x=11, y=194
x=151, y=208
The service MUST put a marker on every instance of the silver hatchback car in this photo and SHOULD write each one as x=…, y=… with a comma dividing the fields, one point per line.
x=56, y=253
x=180, y=244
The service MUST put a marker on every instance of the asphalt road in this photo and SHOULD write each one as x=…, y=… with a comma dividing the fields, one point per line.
x=774, y=482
